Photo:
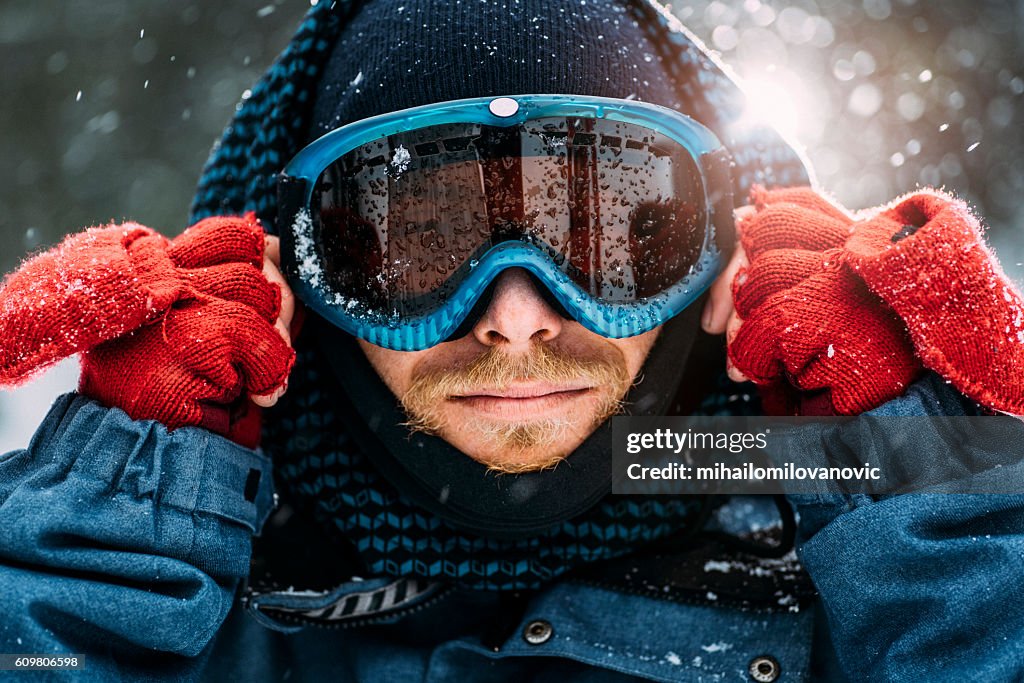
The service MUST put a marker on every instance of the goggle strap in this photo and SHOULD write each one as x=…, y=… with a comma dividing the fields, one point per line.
x=718, y=178
x=291, y=198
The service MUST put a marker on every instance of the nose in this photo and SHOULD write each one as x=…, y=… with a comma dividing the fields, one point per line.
x=517, y=315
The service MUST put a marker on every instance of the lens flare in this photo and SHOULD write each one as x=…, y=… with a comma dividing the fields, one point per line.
x=777, y=97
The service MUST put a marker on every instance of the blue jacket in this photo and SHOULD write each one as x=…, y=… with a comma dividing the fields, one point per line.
x=130, y=545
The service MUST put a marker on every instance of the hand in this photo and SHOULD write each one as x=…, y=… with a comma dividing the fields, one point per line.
x=719, y=313
x=803, y=323
x=286, y=315
x=174, y=331
x=921, y=260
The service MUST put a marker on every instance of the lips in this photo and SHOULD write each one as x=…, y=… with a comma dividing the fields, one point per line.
x=523, y=401
x=526, y=391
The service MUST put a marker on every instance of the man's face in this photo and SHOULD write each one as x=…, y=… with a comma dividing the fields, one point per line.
x=524, y=389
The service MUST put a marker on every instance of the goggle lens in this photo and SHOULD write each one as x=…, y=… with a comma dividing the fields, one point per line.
x=619, y=208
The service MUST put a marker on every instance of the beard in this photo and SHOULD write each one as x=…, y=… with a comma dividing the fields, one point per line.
x=604, y=369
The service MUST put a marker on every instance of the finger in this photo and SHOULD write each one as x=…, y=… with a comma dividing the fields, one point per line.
x=282, y=330
x=219, y=239
x=719, y=306
x=229, y=345
x=269, y=400
x=755, y=352
x=742, y=215
x=788, y=226
x=265, y=358
x=731, y=329
x=241, y=283
x=733, y=373
x=272, y=272
x=772, y=272
x=272, y=250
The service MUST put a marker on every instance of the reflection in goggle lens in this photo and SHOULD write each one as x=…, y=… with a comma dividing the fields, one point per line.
x=618, y=207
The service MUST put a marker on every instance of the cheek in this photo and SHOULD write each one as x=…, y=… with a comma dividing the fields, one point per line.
x=394, y=367
x=635, y=349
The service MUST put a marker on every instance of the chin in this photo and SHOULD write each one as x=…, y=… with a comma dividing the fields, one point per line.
x=515, y=448
x=520, y=463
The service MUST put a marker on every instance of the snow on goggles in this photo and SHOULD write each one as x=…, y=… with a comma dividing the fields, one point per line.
x=393, y=227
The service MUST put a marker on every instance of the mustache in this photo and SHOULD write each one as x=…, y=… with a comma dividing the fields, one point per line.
x=496, y=369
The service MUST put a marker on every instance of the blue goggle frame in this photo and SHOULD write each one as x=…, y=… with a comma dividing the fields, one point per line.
x=614, y=320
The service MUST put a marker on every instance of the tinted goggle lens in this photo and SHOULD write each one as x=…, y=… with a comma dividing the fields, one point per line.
x=619, y=208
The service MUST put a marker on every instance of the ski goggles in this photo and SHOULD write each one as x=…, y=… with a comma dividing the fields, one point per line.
x=394, y=227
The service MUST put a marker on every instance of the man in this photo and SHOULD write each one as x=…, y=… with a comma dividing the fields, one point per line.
x=444, y=486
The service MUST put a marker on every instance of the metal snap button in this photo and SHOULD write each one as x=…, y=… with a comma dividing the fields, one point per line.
x=764, y=669
x=538, y=632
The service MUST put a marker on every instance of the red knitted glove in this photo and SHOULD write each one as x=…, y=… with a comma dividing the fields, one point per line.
x=809, y=324
x=171, y=330
x=854, y=307
x=926, y=258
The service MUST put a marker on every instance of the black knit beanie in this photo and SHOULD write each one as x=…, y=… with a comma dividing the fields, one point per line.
x=396, y=54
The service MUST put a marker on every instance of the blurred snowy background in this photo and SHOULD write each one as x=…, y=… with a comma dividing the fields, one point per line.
x=110, y=108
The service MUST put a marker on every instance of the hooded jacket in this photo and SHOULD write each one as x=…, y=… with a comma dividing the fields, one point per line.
x=133, y=547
